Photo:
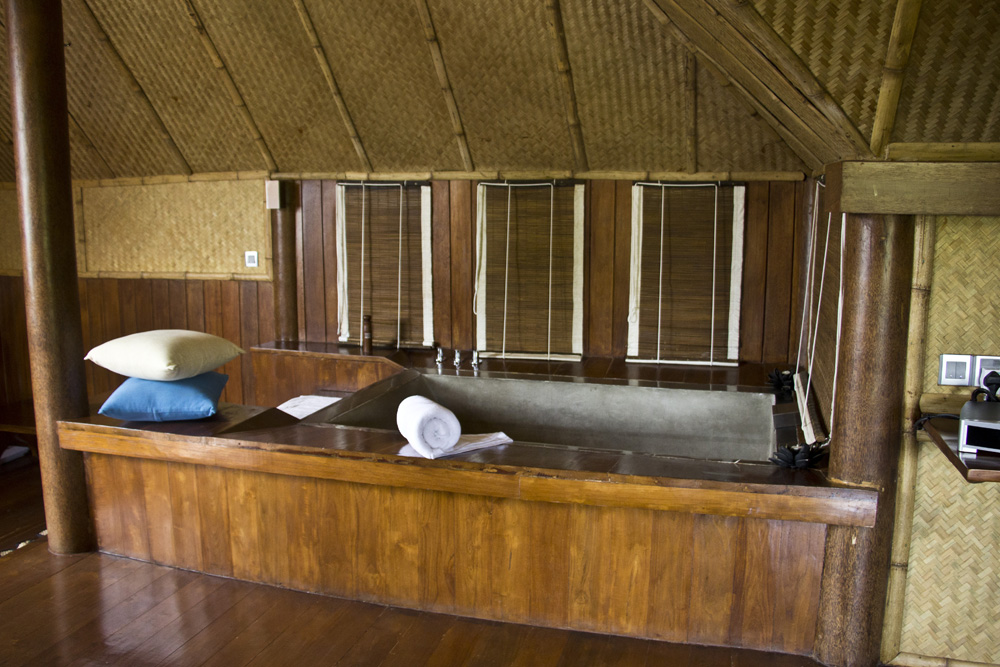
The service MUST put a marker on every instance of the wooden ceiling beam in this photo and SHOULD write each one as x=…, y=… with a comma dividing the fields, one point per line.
x=737, y=68
x=331, y=80
x=230, y=85
x=759, y=34
x=566, y=76
x=116, y=58
x=904, y=25
x=805, y=153
x=430, y=33
x=943, y=152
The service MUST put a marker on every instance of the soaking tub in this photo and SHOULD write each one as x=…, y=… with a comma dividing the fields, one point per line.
x=560, y=412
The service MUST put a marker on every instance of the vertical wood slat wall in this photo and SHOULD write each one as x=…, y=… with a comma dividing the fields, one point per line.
x=242, y=311
x=774, y=239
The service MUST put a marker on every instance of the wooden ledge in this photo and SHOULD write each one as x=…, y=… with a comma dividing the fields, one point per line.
x=520, y=471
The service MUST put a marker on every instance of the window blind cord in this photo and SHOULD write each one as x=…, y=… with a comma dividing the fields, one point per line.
x=659, y=299
x=810, y=277
x=552, y=206
x=399, y=279
x=715, y=250
x=819, y=303
x=506, y=273
x=840, y=326
x=361, y=315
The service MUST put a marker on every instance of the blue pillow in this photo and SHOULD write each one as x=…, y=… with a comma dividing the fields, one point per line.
x=160, y=401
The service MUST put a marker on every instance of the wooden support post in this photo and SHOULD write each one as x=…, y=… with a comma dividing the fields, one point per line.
x=866, y=434
x=286, y=300
x=45, y=198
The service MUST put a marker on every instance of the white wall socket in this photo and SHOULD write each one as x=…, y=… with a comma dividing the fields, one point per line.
x=250, y=259
x=956, y=370
x=984, y=365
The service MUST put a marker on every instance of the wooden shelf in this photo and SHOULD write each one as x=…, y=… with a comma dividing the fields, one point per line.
x=944, y=434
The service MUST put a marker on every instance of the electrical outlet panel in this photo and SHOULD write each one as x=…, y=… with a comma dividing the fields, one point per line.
x=983, y=365
x=956, y=370
x=250, y=259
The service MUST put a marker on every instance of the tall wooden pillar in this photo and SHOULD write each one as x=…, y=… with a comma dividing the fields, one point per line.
x=866, y=433
x=286, y=299
x=45, y=198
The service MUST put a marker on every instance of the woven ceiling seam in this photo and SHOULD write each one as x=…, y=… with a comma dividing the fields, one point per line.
x=569, y=91
x=230, y=85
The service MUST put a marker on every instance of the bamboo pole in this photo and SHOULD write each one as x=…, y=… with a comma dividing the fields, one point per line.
x=913, y=385
x=813, y=159
x=566, y=76
x=691, y=111
x=679, y=176
x=916, y=660
x=230, y=85
x=331, y=81
x=430, y=33
x=904, y=25
x=76, y=130
x=742, y=16
x=732, y=54
x=941, y=152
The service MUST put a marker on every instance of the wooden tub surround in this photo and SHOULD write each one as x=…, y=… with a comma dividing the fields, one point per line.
x=641, y=545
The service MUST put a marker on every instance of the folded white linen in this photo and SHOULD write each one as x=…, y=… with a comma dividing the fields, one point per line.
x=430, y=428
x=466, y=443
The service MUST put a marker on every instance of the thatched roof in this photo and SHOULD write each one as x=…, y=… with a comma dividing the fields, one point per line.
x=332, y=86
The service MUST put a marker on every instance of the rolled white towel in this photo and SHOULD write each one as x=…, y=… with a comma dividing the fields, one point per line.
x=431, y=429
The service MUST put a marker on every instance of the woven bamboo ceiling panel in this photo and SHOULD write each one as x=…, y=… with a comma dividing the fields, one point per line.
x=399, y=111
x=117, y=122
x=335, y=86
x=622, y=62
x=265, y=48
x=952, y=86
x=500, y=61
x=843, y=43
x=732, y=137
x=157, y=43
x=10, y=234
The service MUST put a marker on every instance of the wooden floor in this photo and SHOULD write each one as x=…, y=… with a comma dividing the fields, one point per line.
x=21, y=515
x=97, y=609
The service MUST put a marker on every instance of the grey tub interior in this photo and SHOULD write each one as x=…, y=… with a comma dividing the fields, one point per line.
x=697, y=423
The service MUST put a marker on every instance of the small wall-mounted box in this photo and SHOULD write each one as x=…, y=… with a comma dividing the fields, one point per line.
x=250, y=259
x=956, y=370
x=272, y=194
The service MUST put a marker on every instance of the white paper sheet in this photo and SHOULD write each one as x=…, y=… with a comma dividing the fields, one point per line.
x=467, y=443
x=303, y=406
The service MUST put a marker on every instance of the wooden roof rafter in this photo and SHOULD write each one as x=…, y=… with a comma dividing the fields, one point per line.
x=759, y=33
x=430, y=34
x=75, y=129
x=904, y=25
x=690, y=111
x=116, y=58
x=230, y=85
x=569, y=92
x=805, y=152
x=331, y=80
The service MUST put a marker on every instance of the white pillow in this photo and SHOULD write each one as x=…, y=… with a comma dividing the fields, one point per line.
x=164, y=354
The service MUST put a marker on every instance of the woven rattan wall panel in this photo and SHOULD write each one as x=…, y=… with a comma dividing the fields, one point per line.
x=103, y=104
x=629, y=81
x=179, y=228
x=953, y=579
x=10, y=234
x=161, y=48
x=500, y=61
x=961, y=318
x=392, y=92
x=733, y=138
x=267, y=51
x=843, y=42
x=951, y=91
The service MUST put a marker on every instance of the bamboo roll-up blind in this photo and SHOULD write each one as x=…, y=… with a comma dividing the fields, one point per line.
x=684, y=274
x=382, y=271
x=528, y=274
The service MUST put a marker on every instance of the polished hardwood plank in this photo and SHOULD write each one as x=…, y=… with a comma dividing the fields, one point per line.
x=101, y=609
x=21, y=514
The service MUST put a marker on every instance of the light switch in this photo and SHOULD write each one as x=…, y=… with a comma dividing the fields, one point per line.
x=955, y=370
x=250, y=258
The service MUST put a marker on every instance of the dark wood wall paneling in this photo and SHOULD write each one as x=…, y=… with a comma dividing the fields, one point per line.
x=242, y=311
x=773, y=244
